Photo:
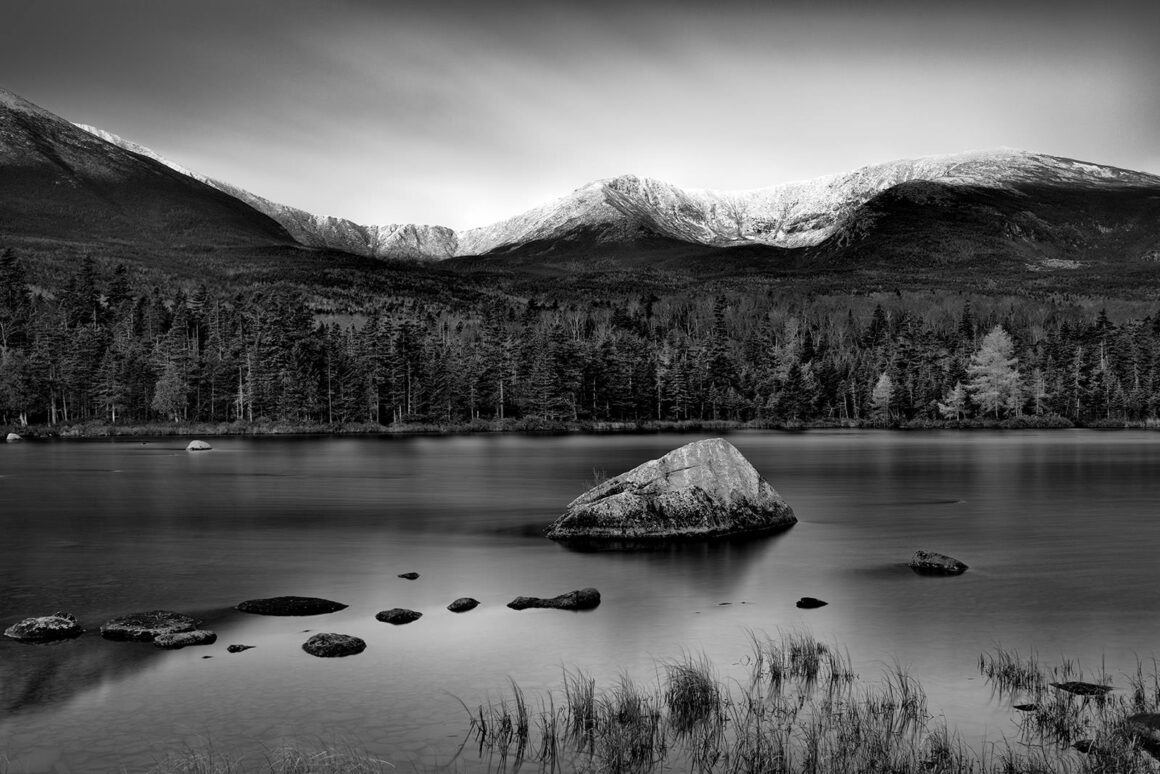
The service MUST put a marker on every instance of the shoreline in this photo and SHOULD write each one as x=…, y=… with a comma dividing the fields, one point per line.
x=648, y=427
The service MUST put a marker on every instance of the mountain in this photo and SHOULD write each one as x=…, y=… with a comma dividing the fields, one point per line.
x=1046, y=211
x=1011, y=209
x=60, y=183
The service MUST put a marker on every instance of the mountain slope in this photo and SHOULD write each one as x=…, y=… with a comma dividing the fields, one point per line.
x=58, y=182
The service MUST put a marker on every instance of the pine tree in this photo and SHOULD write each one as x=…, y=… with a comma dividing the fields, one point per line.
x=881, y=398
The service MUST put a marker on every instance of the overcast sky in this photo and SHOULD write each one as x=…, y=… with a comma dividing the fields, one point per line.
x=465, y=113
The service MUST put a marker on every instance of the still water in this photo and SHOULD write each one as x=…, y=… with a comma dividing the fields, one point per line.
x=1060, y=530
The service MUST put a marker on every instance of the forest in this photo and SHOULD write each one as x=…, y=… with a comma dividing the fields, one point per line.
x=106, y=351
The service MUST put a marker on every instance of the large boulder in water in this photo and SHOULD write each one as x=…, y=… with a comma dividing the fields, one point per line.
x=58, y=626
x=12, y=438
x=198, y=446
x=703, y=489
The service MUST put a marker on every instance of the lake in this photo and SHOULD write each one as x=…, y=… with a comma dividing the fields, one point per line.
x=1059, y=528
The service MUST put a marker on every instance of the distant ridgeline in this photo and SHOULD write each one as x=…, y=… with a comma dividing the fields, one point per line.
x=106, y=348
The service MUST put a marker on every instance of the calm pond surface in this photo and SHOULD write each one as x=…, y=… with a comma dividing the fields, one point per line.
x=1060, y=530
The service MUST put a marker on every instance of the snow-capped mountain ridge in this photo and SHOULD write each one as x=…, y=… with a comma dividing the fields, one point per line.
x=791, y=215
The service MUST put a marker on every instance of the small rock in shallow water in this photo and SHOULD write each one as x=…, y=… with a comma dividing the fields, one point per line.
x=238, y=648
x=147, y=626
x=58, y=626
x=409, y=575
x=581, y=599
x=809, y=603
x=398, y=616
x=931, y=563
x=330, y=645
x=178, y=640
x=463, y=604
x=290, y=606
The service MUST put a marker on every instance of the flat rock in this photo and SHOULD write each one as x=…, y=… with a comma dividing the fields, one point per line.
x=330, y=645
x=409, y=575
x=810, y=603
x=580, y=599
x=463, y=604
x=931, y=563
x=398, y=616
x=290, y=606
x=704, y=489
x=179, y=640
x=237, y=648
x=198, y=446
x=58, y=626
x=12, y=438
x=147, y=626
x=1080, y=688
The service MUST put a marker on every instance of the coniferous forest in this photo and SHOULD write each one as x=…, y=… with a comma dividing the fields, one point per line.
x=108, y=351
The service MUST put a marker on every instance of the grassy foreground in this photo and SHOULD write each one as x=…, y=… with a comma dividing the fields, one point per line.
x=801, y=710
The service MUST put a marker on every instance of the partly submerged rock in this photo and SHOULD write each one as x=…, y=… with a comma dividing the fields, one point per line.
x=810, y=603
x=463, y=604
x=581, y=599
x=12, y=438
x=931, y=563
x=147, y=626
x=237, y=648
x=198, y=446
x=1080, y=688
x=330, y=645
x=398, y=616
x=290, y=606
x=58, y=626
x=178, y=640
x=1026, y=707
x=409, y=575
x=701, y=490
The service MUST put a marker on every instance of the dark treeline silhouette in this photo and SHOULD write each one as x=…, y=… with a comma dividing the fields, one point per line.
x=104, y=349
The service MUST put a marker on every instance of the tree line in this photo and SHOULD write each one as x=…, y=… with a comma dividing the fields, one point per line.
x=104, y=349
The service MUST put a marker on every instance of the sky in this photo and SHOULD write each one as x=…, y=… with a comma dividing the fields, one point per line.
x=465, y=113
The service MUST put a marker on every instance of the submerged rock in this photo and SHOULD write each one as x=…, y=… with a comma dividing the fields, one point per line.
x=330, y=645
x=704, y=489
x=581, y=599
x=198, y=446
x=398, y=616
x=1027, y=707
x=810, y=603
x=238, y=648
x=931, y=563
x=12, y=438
x=290, y=606
x=58, y=626
x=179, y=640
x=147, y=626
x=463, y=604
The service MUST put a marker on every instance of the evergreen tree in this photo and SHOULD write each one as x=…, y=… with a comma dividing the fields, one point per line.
x=995, y=384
